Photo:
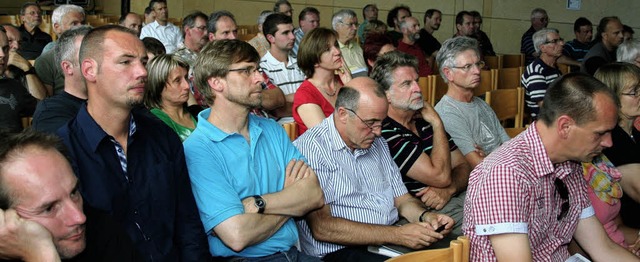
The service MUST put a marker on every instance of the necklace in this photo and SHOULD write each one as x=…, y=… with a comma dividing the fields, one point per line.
x=327, y=93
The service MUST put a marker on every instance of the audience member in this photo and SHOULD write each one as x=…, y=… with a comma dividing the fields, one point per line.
x=369, y=12
x=484, y=42
x=278, y=64
x=20, y=68
x=374, y=27
x=471, y=123
x=623, y=79
x=54, y=112
x=15, y=100
x=464, y=24
x=41, y=209
x=432, y=167
x=629, y=51
x=222, y=25
x=137, y=172
x=579, y=46
x=64, y=17
x=608, y=38
x=628, y=32
x=364, y=194
x=132, y=21
x=194, y=33
x=376, y=45
x=539, y=20
x=247, y=177
x=527, y=200
x=320, y=60
x=153, y=47
x=161, y=28
x=308, y=20
x=259, y=42
x=429, y=44
x=149, y=16
x=32, y=39
x=345, y=23
x=394, y=17
x=541, y=72
x=166, y=93
x=283, y=7
x=410, y=35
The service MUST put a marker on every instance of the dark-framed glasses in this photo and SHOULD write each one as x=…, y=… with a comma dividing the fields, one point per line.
x=562, y=190
x=467, y=67
x=554, y=41
x=633, y=93
x=374, y=125
x=249, y=70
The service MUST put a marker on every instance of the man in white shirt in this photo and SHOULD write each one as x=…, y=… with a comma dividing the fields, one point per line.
x=162, y=29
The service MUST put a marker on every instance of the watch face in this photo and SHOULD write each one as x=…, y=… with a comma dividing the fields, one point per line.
x=260, y=202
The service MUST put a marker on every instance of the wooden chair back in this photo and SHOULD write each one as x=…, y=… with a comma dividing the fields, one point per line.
x=425, y=88
x=487, y=82
x=458, y=251
x=514, y=131
x=564, y=68
x=512, y=60
x=507, y=104
x=246, y=37
x=26, y=122
x=493, y=62
x=508, y=78
x=438, y=90
x=291, y=129
x=9, y=19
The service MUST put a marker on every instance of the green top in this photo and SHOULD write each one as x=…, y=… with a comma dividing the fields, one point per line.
x=182, y=131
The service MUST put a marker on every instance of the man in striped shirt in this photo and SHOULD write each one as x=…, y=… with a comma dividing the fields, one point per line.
x=432, y=166
x=279, y=66
x=542, y=71
x=364, y=194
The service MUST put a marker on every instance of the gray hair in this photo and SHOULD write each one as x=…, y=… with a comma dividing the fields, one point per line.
x=628, y=51
x=403, y=23
x=63, y=10
x=538, y=11
x=385, y=65
x=451, y=48
x=263, y=16
x=341, y=15
x=540, y=37
x=65, y=49
x=212, y=24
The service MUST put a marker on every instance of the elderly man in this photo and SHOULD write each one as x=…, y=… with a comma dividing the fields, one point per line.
x=429, y=44
x=32, y=39
x=132, y=21
x=15, y=101
x=394, y=17
x=527, y=200
x=161, y=28
x=369, y=12
x=55, y=111
x=19, y=68
x=345, y=22
x=64, y=17
x=608, y=38
x=259, y=42
x=279, y=66
x=364, y=194
x=410, y=35
x=222, y=25
x=136, y=170
x=283, y=7
x=541, y=72
x=257, y=183
x=579, y=46
x=539, y=20
x=43, y=218
x=308, y=20
x=432, y=167
x=470, y=121
x=194, y=33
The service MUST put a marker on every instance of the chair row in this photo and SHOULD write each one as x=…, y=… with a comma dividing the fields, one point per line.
x=458, y=251
x=504, y=61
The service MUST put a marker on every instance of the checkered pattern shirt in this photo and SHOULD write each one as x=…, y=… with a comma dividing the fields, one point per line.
x=512, y=191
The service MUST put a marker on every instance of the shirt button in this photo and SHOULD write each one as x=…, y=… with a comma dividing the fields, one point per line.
x=135, y=211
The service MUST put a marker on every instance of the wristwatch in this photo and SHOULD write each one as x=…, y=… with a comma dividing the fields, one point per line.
x=260, y=203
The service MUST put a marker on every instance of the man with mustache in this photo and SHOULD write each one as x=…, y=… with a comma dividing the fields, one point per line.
x=527, y=200
x=410, y=35
x=130, y=164
x=41, y=211
x=278, y=64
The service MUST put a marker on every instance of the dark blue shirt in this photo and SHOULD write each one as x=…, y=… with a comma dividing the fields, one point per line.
x=154, y=201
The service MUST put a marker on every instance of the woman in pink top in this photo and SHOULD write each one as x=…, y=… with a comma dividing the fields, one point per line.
x=320, y=59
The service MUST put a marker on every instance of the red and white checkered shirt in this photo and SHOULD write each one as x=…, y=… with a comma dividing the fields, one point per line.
x=513, y=191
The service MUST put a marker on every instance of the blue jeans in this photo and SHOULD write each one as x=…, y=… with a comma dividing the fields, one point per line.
x=292, y=255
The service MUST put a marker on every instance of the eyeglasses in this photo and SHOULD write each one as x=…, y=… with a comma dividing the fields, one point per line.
x=201, y=28
x=249, y=70
x=554, y=41
x=633, y=93
x=562, y=190
x=468, y=67
x=373, y=126
x=350, y=24
x=33, y=13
